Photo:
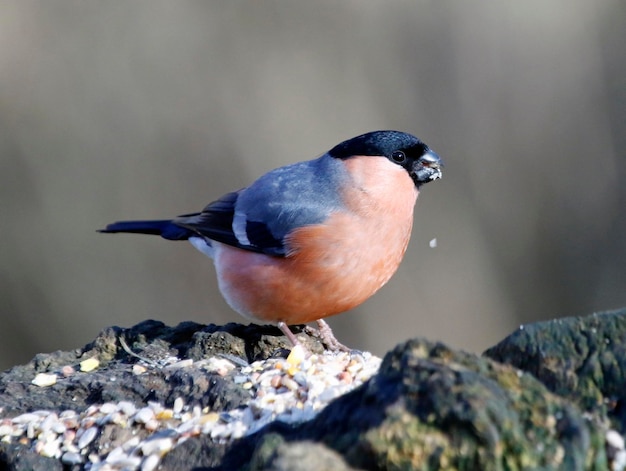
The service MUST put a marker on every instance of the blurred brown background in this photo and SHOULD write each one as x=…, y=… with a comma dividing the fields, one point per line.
x=118, y=110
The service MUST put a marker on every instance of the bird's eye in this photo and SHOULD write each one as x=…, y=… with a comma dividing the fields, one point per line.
x=398, y=156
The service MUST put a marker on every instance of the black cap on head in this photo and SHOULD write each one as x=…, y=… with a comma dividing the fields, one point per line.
x=401, y=148
x=379, y=143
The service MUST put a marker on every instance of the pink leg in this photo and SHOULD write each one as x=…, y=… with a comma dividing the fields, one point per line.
x=327, y=336
x=288, y=333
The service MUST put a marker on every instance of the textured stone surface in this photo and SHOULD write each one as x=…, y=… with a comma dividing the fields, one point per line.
x=580, y=358
x=114, y=380
x=434, y=408
x=546, y=403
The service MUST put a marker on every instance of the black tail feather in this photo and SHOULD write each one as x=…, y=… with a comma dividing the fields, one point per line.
x=165, y=228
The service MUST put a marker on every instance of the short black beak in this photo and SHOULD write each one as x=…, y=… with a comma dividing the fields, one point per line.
x=427, y=168
x=430, y=159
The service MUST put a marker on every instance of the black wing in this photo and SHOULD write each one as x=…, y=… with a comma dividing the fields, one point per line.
x=216, y=223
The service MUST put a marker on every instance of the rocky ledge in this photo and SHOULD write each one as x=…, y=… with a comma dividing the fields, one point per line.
x=195, y=397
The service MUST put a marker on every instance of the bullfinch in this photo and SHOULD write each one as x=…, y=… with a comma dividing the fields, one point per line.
x=311, y=239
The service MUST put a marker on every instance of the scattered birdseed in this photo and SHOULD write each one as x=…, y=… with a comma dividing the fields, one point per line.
x=43, y=379
x=291, y=390
x=616, y=450
x=89, y=364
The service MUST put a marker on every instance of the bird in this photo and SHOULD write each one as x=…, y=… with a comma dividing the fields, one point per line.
x=314, y=238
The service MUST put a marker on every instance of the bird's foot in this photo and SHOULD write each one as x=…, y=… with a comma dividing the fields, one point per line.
x=325, y=334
